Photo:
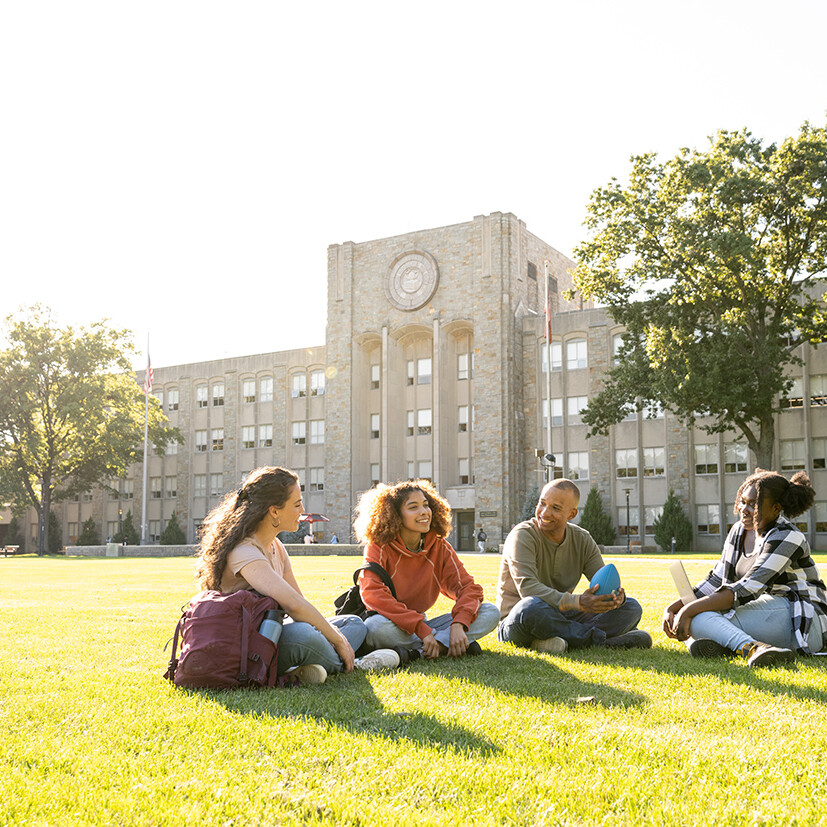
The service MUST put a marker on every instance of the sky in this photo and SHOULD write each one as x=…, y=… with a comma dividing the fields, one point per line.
x=180, y=168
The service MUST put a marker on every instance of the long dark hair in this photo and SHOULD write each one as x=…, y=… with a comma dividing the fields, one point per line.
x=794, y=495
x=237, y=517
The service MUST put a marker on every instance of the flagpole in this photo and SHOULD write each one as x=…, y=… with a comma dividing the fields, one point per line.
x=147, y=389
x=548, y=366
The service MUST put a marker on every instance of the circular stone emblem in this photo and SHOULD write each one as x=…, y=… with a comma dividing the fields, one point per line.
x=412, y=280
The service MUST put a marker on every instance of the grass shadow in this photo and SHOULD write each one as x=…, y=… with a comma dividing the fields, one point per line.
x=350, y=703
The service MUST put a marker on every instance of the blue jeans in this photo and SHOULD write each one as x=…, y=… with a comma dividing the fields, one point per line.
x=533, y=619
x=767, y=619
x=301, y=643
x=383, y=633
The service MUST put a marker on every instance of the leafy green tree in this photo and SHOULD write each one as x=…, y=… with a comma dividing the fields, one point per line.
x=127, y=533
x=290, y=537
x=530, y=503
x=55, y=539
x=71, y=412
x=673, y=522
x=712, y=260
x=596, y=521
x=173, y=534
x=89, y=534
x=14, y=534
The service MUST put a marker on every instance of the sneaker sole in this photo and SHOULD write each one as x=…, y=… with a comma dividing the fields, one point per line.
x=705, y=648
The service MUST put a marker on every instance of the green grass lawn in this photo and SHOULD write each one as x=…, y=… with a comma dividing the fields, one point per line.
x=92, y=734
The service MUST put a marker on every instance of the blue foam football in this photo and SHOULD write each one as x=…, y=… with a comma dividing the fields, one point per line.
x=606, y=579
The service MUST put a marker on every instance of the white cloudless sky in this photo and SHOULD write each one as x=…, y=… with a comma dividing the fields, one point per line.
x=180, y=168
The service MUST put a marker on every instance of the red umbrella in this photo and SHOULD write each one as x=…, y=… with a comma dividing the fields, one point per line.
x=313, y=518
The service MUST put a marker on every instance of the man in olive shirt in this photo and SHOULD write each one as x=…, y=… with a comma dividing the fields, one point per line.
x=543, y=561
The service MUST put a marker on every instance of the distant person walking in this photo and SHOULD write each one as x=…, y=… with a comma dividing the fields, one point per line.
x=481, y=538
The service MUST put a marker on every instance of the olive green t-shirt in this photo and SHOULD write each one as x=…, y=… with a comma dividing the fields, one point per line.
x=533, y=566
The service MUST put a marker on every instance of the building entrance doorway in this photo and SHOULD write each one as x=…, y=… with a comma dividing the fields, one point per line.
x=465, y=530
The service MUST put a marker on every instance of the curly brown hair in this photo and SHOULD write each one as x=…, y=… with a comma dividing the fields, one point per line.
x=237, y=517
x=794, y=496
x=379, y=511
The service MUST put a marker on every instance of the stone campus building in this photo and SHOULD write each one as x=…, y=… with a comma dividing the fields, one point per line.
x=434, y=366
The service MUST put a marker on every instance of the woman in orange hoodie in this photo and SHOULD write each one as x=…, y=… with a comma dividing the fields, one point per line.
x=404, y=527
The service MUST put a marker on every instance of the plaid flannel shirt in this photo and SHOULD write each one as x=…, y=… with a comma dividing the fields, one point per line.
x=783, y=566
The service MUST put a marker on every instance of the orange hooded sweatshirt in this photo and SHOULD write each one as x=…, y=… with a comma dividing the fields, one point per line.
x=419, y=577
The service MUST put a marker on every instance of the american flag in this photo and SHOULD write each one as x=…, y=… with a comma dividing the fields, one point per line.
x=148, y=376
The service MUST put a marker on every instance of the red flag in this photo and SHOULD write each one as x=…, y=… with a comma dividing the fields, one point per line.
x=148, y=376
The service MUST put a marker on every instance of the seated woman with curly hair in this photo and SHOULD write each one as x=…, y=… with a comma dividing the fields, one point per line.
x=404, y=527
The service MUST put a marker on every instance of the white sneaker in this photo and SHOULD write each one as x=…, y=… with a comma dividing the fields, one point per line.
x=378, y=659
x=311, y=674
x=551, y=646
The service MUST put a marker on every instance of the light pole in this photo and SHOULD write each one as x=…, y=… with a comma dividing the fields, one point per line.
x=628, y=535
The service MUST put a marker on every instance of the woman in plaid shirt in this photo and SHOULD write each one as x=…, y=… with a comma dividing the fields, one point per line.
x=764, y=599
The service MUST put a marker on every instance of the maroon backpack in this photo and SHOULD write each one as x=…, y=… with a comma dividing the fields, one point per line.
x=221, y=647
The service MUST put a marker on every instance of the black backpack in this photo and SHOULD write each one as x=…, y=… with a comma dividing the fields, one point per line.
x=350, y=602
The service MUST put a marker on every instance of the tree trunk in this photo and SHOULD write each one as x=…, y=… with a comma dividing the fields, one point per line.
x=43, y=518
x=763, y=449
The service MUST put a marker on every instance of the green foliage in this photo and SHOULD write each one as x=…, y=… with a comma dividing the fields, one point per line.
x=530, y=503
x=127, y=532
x=297, y=536
x=173, y=534
x=55, y=540
x=14, y=534
x=673, y=522
x=89, y=534
x=71, y=411
x=596, y=521
x=713, y=261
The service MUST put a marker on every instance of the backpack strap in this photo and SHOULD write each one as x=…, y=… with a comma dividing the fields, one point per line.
x=377, y=570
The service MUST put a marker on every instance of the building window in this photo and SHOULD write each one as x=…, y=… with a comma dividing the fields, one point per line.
x=299, y=433
x=633, y=527
x=216, y=485
x=617, y=344
x=466, y=476
x=654, y=462
x=316, y=479
x=316, y=431
x=317, y=383
x=735, y=458
x=374, y=473
x=171, y=488
x=411, y=423
x=201, y=399
x=374, y=426
x=411, y=470
x=423, y=421
x=462, y=418
x=556, y=357
x=531, y=270
x=629, y=412
x=578, y=465
x=556, y=412
x=172, y=400
x=86, y=497
x=794, y=397
x=576, y=354
x=159, y=395
x=248, y=390
x=818, y=390
x=820, y=516
x=423, y=371
x=709, y=519
x=170, y=450
x=265, y=387
x=265, y=435
x=218, y=395
x=652, y=513
x=653, y=410
x=199, y=485
x=154, y=531
x=200, y=441
x=819, y=455
x=425, y=469
x=374, y=377
x=464, y=366
x=625, y=462
x=410, y=369
x=575, y=407
x=792, y=454
x=217, y=439
x=248, y=436
x=299, y=385
x=706, y=459
x=155, y=488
